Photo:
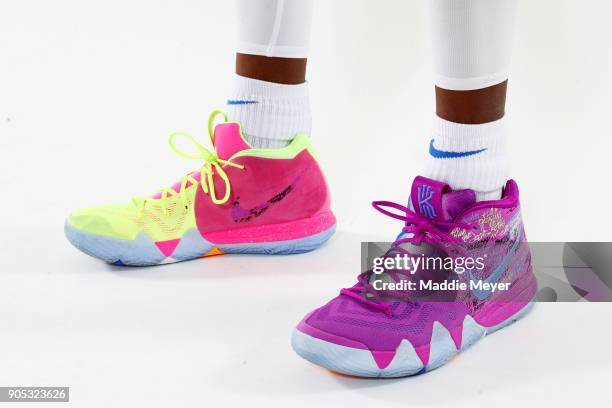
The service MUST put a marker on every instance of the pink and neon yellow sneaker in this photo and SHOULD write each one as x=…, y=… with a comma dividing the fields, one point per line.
x=241, y=200
x=363, y=334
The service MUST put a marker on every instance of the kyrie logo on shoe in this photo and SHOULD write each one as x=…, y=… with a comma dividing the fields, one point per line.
x=424, y=195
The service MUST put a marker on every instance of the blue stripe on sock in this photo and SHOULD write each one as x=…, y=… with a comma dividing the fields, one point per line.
x=239, y=102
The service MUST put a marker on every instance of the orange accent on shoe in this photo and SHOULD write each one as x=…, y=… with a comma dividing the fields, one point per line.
x=213, y=252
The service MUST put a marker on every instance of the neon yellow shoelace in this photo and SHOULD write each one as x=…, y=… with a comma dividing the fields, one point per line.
x=212, y=164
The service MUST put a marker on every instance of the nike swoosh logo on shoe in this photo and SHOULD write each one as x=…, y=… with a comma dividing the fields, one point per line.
x=483, y=294
x=443, y=154
x=241, y=214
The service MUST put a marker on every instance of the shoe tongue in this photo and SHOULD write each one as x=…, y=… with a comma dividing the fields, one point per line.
x=229, y=140
x=435, y=200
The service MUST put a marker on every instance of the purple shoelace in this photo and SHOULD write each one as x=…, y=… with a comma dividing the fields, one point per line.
x=422, y=229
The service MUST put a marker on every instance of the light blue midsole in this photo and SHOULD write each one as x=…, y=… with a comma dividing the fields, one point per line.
x=141, y=251
x=361, y=363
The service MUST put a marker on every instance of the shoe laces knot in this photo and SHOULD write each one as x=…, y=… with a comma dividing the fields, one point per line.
x=212, y=165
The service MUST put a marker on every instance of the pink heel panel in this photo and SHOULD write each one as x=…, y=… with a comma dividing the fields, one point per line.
x=265, y=192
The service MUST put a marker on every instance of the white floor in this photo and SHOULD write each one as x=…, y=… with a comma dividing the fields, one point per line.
x=90, y=93
x=217, y=331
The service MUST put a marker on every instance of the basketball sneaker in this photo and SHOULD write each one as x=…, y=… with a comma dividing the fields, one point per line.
x=403, y=333
x=241, y=200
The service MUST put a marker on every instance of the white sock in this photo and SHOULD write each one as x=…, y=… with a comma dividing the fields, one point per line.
x=270, y=114
x=470, y=156
x=471, y=42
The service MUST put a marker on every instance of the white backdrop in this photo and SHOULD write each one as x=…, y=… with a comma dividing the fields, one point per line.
x=89, y=92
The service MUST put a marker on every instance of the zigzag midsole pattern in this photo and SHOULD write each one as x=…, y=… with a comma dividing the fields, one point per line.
x=141, y=251
x=404, y=361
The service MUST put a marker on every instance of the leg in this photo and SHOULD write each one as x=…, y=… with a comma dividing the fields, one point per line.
x=472, y=42
x=270, y=97
x=374, y=336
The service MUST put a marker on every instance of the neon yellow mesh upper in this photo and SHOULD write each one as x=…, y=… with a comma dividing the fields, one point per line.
x=126, y=221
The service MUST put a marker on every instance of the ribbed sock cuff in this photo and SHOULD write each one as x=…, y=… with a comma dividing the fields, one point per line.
x=270, y=114
x=470, y=156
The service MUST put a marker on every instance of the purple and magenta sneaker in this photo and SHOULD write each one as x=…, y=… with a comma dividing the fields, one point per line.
x=358, y=334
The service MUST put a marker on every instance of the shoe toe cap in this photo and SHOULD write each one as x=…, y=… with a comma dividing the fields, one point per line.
x=111, y=221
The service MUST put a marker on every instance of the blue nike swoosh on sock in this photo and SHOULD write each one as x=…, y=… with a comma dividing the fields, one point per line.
x=238, y=102
x=442, y=154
